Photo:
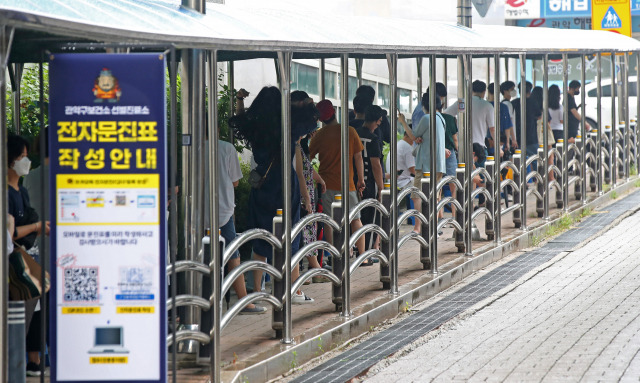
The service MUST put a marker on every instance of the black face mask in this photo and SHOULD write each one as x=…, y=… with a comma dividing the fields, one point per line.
x=576, y=93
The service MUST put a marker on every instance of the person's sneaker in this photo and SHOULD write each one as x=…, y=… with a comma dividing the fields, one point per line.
x=33, y=369
x=320, y=279
x=301, y=299
x=255, y=310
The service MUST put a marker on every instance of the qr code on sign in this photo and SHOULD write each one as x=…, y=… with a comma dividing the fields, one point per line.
x=81, y=284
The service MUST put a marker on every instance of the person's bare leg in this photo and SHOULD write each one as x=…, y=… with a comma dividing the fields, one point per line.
x=295, y=273
x=313, y=262
x=257, y=274
x=417, y=204
x=355, y=225
x=552, y=176
x=34, y=356
x=238, y=285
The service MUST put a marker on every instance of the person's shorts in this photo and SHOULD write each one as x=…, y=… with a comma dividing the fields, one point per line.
x=228, y=232
x=328, y=198
x=451, y=164
x=417, y=182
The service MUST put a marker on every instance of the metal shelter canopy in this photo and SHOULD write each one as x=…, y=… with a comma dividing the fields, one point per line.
x=240, y=32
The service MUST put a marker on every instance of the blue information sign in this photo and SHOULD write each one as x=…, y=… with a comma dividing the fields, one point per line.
x=107, y=146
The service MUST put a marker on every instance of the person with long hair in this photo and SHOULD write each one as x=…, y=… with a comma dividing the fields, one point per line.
x=260, y=127
x=556, y=111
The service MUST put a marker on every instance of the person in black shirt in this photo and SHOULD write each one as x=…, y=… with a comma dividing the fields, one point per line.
x=533, y=113
x=372, y=158
x=574, y=116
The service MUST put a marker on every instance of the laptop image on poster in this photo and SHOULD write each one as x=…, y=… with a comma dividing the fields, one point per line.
x=108, y=340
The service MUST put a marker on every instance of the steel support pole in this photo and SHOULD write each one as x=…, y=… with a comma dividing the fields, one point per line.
x=6, y=38
x=523, y=141
x=359, y=62
x=284, y=62
x=232, y=97
x=468, y=158
x=627, y=123
x=216, y=307
x=344, y=165
x=497, y=216
x=613, y=155
x=173, y=207
x=545, y=149
x=489, y=77
x=433, y=197
x=44, y=304
x=565, y=129
x=445, y=74
x=599, y=165
x=464, y=13
x=637, y=140
x=323, y=91
x=419, y=82
x=583, y=133
x=392, y=61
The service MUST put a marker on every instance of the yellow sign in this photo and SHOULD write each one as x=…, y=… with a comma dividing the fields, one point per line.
x=109, y=360
x=81, y=310
x=611, y=15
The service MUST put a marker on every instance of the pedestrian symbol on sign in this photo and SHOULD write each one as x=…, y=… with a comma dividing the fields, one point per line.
x=611, y=19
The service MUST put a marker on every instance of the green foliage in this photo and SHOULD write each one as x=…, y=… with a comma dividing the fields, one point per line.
x=30, y=106
x=606, y=188
x=637, y=184
x=633, y=171
x=614, y=194
x=226, y=96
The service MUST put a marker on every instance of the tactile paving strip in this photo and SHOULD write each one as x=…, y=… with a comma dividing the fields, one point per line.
x=359, y=358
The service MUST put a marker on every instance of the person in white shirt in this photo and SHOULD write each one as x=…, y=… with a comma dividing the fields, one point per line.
x=556, y=112
x=406, y=162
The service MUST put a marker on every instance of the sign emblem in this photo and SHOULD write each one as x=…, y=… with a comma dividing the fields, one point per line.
x=611, y=19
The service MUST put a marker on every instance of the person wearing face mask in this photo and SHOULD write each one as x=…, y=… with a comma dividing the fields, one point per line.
x=27, y=228
x=508, y=90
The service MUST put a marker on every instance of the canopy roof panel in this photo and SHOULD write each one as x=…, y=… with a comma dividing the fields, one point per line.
x=242, y=32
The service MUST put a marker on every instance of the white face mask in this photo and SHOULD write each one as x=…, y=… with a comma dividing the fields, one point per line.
x=22, y=166
x=513, y=93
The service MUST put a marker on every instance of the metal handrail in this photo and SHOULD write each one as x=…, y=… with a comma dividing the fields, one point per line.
x=482, y=171
x=189, y=266
x=189, y=300
x=535, y=193
x=310, y=274
x=312, y=218
x=448, y=180
x=412, y=235
x=556, y=185
x=244, y=302
x=509, y=182
x=573, y=179
x=188, y=335
x=510, y=165
x=553, y=151
x=511, y=208
x=591, y=172
x=535, y=174
x=481, y=210
x=556, y=170
x=449, y=221
x=365, y=203
x=247, y=236
x=243, y=268
x=311, y=247
x=573, y=147
x=406, y=191
x=590, y=156
x=366, y=255
x=484, y=191
x=533, y=158
x=413, y=213
x=575, y=163
x=447, y=200
x=368, y=228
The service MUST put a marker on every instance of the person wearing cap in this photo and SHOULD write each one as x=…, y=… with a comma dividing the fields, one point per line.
x=326, y=144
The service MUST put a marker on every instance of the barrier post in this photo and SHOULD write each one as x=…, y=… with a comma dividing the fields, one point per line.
x=517, y=178
x=577, y=187
x=607, y=160
x=337, y=265
x=490, y=165
x=541, y=185
x=277, y=316
x=425, y=229
x=385, y=276
x=560, y=162
x=460, y=213
x=591, y=148
x=599, y=166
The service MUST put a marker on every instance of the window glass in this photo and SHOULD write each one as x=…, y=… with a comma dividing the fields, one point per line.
x=304, y=77
x=383, y=96
x=404, y=101
x=330, y=84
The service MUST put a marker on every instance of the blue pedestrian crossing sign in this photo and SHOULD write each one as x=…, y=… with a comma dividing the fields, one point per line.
x=611, y=19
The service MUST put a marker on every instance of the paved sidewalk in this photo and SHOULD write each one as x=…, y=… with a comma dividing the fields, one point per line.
x=576, y=319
